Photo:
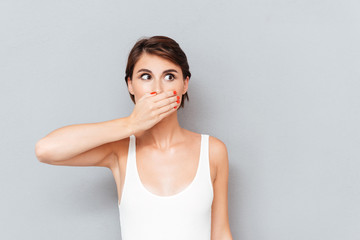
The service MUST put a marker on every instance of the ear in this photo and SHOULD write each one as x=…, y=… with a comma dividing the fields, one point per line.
x=186, y=85
x=130, y=87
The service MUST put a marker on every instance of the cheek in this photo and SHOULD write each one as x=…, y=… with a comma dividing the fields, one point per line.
x=140, y=91
x=141, y=88
x=181, y=85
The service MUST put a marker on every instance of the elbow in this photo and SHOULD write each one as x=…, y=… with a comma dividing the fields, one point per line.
x=40, y=152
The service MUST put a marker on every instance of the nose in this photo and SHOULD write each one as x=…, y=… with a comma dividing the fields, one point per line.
x=158, y=86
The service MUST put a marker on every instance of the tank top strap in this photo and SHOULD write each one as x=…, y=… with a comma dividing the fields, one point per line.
x=204, y=171
x=130, y=180
x=131, y=160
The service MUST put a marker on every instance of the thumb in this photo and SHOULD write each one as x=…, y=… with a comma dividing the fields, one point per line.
x=152, y=93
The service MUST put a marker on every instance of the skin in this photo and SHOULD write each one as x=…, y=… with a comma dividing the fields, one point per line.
x=167, y=147
x=162, y=146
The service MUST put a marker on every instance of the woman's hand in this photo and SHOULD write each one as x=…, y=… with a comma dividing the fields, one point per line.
x=152, y=108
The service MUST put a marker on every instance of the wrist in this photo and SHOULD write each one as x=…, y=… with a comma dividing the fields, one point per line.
x=130, y=125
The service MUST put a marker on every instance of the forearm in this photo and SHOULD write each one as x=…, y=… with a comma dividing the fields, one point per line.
x=68, y=141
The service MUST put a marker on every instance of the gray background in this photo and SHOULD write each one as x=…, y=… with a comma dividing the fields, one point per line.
x=276, y=81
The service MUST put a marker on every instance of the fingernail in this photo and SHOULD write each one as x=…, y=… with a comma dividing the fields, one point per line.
x=175, y=106
x=178, y=97
x=174, y=92
x=178, y=101
x=153, y=93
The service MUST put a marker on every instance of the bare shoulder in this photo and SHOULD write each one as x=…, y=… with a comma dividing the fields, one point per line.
x=217, y=148
x=218, y=153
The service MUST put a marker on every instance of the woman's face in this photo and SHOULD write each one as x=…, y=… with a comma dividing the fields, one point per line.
x=153, y=73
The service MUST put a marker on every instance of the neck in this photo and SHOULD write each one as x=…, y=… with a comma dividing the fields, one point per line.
x=164, y=134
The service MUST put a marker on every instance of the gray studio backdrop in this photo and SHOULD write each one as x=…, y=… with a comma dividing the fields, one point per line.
x=276, y=81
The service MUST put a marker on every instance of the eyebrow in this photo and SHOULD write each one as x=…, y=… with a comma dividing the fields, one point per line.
x=147, y=70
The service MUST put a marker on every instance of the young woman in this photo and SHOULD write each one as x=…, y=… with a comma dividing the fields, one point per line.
x=172, y=183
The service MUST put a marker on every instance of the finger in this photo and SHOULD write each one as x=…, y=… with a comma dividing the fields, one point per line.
x=168, y=112
x=167, y=101
x=166, y=108
x=163, y=95
x=148, y=94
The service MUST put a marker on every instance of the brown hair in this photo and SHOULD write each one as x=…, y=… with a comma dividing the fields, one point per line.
x=161, y=46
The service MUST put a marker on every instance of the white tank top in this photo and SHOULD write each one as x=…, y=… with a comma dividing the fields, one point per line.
x=185, y=215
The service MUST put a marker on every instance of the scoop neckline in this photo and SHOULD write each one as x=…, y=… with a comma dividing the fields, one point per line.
x=176, y=194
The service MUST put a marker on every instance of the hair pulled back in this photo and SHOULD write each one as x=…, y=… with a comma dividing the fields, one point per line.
x=161, y=46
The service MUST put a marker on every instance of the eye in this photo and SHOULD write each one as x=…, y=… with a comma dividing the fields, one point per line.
x=172, y=77
x=145, y=78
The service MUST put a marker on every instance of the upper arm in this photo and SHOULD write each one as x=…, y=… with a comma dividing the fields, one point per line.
x=220, y=228
x=100, y=156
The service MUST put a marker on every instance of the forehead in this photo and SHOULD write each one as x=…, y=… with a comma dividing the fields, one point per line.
x=154, y=63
